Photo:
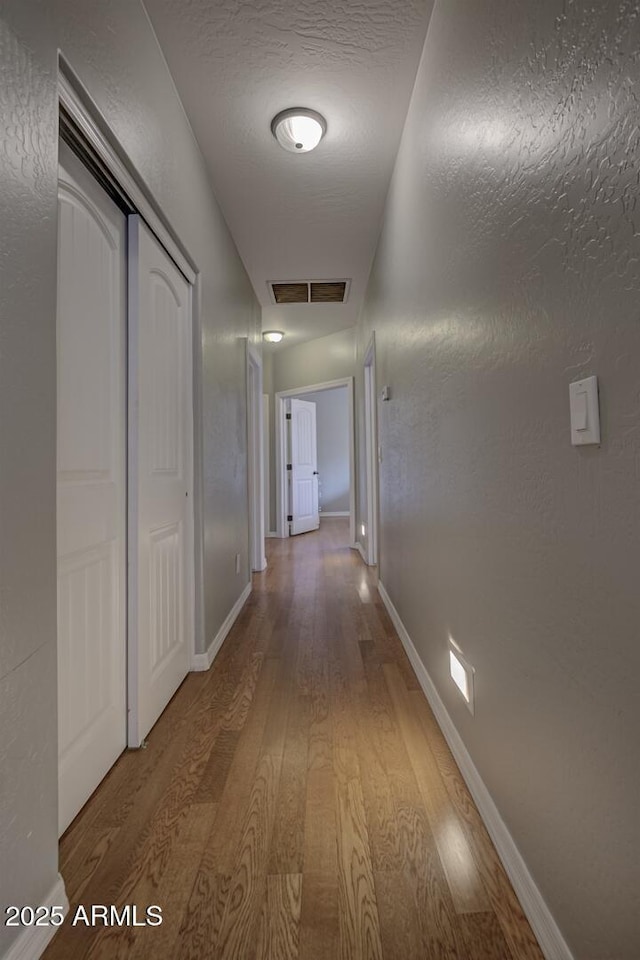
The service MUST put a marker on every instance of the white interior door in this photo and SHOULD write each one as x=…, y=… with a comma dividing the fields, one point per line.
x=161, y=581
x=304, y=468
x=91, y=484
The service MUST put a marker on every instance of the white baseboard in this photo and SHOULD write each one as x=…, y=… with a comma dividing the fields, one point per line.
x=334, y=513
x=358, y=546
x=31, y=942
x=552, y=943
x=202, y=661
x=272, y=535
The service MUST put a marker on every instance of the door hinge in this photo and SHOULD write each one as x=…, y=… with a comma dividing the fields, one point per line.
x=290, y=517
x=289, y=466
x=288, y=416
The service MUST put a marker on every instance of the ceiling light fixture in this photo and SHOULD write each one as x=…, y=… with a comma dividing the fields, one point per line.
x=298, y=130
x=273, y=336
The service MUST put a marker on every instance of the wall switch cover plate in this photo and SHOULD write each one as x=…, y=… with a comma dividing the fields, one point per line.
x=585, y=411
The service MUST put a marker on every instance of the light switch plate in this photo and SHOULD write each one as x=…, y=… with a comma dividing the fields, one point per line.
x=585, y=411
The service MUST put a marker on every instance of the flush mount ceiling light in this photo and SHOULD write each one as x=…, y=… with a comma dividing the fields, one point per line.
x=273, y=336
x=298, y=130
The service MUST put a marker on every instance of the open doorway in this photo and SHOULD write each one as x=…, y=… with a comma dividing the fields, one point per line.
x=370, y=534
x=315, y=456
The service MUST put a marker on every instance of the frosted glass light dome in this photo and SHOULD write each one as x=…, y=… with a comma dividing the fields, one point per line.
x=299, y=130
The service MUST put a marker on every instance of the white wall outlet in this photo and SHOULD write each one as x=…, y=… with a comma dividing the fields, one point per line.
x=237, y=563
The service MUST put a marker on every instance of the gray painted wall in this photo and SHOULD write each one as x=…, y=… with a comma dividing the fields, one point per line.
x=508, y=267
x=314, y=361
x=332, y=429
x=111, y=47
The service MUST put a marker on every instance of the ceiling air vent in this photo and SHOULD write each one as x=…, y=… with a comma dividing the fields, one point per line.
x=290, y=292
x=331, y=292
x=310, y=291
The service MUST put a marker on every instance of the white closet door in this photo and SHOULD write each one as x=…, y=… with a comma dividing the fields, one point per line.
x=160, y=480
x=304, y=468
x=91, y=484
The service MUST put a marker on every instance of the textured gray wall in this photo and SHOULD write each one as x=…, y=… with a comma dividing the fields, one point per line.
x=315, y=361
x=508, y=267
x=112, y=48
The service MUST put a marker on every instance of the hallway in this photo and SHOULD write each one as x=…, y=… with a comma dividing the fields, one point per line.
x=297, y=800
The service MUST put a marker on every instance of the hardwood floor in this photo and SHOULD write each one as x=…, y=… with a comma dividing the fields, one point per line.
x=296, y=801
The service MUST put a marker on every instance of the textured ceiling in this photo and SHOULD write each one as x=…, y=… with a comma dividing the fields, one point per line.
x=317, y=215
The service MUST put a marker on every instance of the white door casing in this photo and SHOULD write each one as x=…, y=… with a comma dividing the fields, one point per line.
x=304, y=467
x=161, y=583
x=281, y=450
x=371, y=452
x=266, y=463
x=91, y=484
x=255, y=460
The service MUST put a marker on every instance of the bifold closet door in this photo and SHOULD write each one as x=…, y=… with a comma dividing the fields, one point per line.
x=91, y=484
x=160, y=480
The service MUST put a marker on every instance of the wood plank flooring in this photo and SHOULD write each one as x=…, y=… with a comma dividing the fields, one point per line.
x=296, y=802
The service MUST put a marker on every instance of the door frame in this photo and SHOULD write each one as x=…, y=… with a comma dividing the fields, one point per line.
x=371, y=451
x=88, y=133
x=266, y=463
x=282, y=526
x=255, y=458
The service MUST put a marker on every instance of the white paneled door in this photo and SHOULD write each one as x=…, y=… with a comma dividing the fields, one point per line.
x=160, y=480
x=304, y=468
x=91, y=484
